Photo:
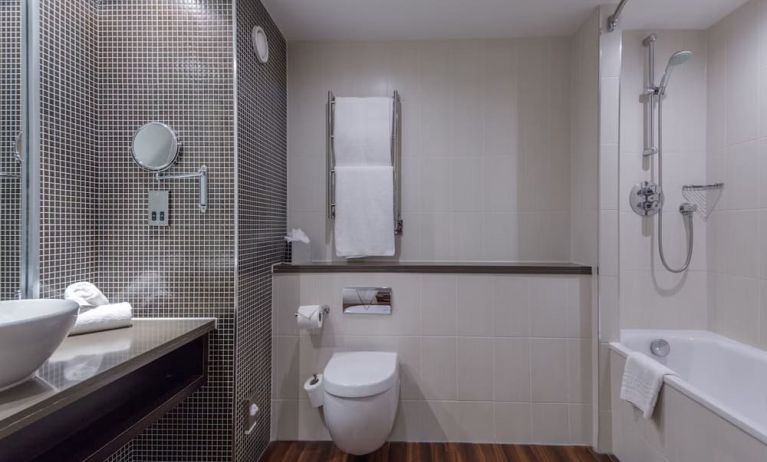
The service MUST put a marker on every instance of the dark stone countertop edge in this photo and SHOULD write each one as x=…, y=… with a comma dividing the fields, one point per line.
x=41, y=409
x=464, y=268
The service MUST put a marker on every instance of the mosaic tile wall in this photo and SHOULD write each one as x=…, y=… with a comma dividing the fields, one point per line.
x=68, y=172
x=262, y=214
x=10, y=108
x=171, y=61
x=127, y=62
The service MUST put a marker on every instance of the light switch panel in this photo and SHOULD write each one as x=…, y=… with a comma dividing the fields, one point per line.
x=158, y=208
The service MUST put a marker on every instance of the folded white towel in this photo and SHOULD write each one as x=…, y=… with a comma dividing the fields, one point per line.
x=103, y=317
x=363, y=131
x=85, y=294
x=364, y=224
x=642, y=382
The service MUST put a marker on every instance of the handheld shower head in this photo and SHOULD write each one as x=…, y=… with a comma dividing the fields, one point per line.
x=680, y=57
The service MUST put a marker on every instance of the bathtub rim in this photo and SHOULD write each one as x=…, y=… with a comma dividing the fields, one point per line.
x=694, y=393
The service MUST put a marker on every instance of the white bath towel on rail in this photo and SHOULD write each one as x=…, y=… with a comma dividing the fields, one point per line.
x=642, y=382
x=363, y=131
x=364, y=224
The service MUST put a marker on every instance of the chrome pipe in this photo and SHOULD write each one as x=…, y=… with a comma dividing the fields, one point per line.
x=201, y=176
x=397, y=163
x=612, y=20
x=648, y=97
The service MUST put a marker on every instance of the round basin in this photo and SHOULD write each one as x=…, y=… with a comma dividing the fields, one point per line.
x=30, y=331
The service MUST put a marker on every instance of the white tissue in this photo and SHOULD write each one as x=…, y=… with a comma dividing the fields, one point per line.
x=297, y=235
x=85, y=294
x=104, y=317
x=310, y=317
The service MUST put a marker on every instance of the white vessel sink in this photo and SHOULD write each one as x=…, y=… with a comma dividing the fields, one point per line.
x=30, y=331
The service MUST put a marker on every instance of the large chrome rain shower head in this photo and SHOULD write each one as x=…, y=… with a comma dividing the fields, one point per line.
x=678, y=58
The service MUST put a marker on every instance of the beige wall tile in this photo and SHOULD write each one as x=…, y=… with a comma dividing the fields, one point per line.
x=490, y=135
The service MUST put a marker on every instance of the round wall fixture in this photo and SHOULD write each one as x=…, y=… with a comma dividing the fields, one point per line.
x=260, y=44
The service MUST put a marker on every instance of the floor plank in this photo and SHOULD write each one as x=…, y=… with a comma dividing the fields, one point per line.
x=310, y=451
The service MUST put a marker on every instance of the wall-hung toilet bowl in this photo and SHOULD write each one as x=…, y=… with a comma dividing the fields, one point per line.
x=361, y=393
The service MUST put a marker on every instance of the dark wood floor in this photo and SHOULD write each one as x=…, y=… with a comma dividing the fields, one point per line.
x=294, y=451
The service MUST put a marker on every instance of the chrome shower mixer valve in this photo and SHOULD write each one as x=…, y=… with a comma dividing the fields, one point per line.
x=646, y=199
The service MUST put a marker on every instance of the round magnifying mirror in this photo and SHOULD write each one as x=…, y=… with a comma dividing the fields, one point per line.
x=155, y=147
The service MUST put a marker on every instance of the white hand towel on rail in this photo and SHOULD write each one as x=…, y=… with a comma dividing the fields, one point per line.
x=642, y=382
x=363, y=131
x=364, y=224
x=104, y=317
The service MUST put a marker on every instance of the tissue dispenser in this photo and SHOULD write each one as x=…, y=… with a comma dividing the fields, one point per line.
x=300, y=253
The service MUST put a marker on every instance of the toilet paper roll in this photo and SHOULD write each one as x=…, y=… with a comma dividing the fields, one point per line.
x=314, y=388
x=310, y=317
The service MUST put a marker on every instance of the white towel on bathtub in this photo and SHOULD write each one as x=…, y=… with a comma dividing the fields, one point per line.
x=642, y=382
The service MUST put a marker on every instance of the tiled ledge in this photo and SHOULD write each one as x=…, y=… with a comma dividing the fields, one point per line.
x=431, y=267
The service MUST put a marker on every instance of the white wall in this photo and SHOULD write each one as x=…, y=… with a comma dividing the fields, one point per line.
x=486, y=142
x=484, y=358
x=737, y=155
x=651, y=296
x=584, y=148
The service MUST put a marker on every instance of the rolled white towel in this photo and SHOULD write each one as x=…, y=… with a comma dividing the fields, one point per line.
x=85, y=294
x=103, y=317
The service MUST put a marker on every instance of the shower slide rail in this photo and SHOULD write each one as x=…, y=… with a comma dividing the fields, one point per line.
x=396, y=158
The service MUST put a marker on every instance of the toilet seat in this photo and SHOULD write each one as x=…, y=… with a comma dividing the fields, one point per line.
x=361, y=373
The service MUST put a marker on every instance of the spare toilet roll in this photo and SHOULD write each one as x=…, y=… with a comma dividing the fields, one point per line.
x=310, y=317
x=313, y=387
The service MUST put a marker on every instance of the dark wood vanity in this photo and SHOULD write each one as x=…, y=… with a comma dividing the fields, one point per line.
x=98, y=391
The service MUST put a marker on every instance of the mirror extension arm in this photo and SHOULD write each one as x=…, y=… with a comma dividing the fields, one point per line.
x=201, y=176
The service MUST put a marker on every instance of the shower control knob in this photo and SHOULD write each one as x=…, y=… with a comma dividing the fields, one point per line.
x=646, y=199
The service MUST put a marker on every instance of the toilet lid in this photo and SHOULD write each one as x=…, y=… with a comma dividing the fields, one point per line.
x=361, y=373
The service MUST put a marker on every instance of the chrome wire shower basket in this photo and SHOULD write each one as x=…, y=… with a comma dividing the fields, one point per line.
x=703, y=196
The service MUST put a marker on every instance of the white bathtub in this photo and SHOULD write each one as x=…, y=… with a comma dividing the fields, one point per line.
x=716, y=404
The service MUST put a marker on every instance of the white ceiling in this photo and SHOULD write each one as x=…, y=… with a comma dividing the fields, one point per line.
x=444, y=19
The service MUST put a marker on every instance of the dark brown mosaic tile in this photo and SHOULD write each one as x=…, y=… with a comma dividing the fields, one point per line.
x=107, y=67
x=10, y=125
x=262, y=214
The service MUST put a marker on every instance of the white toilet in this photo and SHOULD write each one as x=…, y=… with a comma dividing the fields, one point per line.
x=361, y=393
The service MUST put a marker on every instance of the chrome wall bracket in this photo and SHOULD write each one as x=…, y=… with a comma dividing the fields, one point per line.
x=201, y=176
x=646, y=199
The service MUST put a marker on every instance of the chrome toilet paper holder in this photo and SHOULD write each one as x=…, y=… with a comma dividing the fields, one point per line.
x=325, y=310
